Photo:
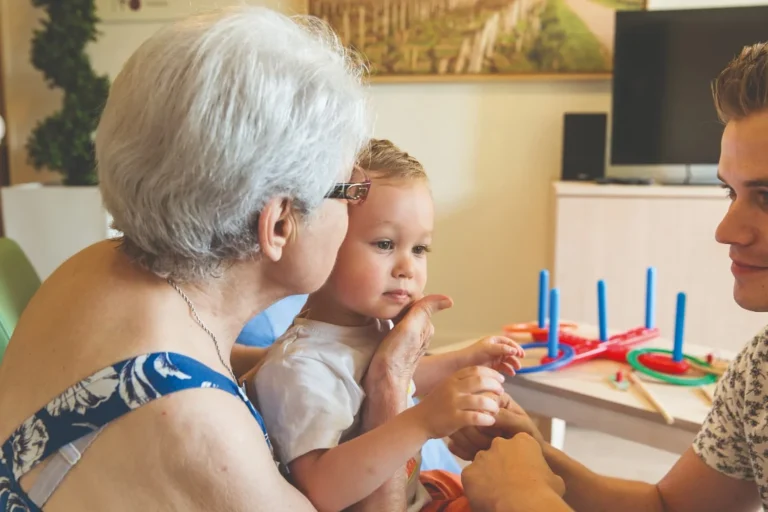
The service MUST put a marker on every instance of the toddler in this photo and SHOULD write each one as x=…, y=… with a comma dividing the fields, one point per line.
x=309, y=389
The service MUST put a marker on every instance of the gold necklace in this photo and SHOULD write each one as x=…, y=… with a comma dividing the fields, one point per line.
x=202, y=326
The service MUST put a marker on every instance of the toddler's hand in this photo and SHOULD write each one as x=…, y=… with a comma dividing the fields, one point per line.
x=497, y=352
x=469, y=397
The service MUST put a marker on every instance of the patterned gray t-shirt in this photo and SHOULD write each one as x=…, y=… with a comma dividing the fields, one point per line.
x=734, y=437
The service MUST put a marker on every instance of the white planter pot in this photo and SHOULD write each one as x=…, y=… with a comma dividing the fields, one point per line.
x=52, y=223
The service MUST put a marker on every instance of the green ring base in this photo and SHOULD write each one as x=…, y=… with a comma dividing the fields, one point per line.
x=633, y=358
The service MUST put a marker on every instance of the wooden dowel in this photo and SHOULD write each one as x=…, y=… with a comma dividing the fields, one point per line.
x=718, y=369
x=707, y=391
x=651, y=398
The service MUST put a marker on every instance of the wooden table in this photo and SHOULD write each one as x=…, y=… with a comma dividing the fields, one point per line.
x=581, y=395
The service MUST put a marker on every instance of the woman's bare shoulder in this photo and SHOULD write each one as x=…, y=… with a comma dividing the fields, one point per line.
x=222, y=457
x=195, y=450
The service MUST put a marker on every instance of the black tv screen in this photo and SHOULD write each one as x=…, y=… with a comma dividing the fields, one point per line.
x=664, y=65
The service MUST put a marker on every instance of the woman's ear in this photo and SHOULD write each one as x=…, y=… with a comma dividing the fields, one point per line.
x=277, y=227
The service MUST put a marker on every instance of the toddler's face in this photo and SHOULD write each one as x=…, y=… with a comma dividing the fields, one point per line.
x=382, y=264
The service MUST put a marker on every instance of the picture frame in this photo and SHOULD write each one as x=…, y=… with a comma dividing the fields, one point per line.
x=122, y=11
x=148, y=11
x=477, y=40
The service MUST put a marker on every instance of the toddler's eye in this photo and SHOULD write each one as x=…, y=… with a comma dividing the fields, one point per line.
x=421, y=249
x=384, y=245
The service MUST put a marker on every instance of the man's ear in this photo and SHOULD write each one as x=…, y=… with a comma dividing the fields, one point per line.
x=277, y=226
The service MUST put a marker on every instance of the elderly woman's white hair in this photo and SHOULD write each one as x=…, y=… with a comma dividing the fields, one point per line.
x=212, y=117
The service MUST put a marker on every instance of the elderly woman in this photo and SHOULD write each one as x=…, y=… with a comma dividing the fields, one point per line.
x=225, y=153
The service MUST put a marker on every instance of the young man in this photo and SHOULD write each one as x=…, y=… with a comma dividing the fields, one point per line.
x=726, y=468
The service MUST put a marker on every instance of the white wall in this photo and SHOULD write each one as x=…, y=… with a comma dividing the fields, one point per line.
x=492, y=151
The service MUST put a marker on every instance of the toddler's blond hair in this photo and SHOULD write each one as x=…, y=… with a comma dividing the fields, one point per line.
x=383, y=160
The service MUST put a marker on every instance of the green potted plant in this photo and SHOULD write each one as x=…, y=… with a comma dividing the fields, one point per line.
x=53, y=222
x=63, y=142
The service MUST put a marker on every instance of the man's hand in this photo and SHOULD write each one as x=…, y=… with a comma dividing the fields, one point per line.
x=512, y=469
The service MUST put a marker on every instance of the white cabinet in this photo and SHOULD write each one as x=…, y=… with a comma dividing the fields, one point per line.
x=52, y=223
x=615, y=232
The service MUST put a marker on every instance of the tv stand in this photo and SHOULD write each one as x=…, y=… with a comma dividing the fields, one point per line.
x=609, y=180
x=689, y=183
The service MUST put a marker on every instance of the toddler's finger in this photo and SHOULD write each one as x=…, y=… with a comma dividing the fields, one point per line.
x=479, y=403
x=513, y=361
x=478, y=371
x=479, y=384
x=507, y=369
x=510, y=346
x=477, y=419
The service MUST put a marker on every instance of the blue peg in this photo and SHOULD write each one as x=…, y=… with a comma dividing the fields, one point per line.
x=543, y=290
x=554, y=324
x=650, y=298
x=601, y=313
x=677, y=353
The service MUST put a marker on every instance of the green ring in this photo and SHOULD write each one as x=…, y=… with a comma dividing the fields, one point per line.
x=633, y=358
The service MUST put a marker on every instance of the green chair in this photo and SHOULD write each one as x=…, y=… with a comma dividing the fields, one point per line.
x=18, y=283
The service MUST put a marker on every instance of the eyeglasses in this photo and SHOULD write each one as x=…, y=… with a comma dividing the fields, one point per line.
x=354, y=191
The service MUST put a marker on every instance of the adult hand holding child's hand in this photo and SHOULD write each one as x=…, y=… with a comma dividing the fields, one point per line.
x=513, y=475
x=510, y=421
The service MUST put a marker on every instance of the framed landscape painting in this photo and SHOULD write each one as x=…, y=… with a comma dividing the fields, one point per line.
x=143, y=11
x=458, y=39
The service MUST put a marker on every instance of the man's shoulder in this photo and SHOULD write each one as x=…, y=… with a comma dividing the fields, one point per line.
x=733, y=431
x=752, y=357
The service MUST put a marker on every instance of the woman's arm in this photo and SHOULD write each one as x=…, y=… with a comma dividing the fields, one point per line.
x=379, y=408
x=386, y=384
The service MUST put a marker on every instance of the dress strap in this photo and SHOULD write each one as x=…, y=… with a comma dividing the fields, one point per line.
x=105, y=396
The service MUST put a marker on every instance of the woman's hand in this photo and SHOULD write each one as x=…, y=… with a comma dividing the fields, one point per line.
x=510, y=420
x=513, y=475
x=397, y=356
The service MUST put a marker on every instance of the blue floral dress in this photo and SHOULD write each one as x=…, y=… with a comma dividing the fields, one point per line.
x=92, y=403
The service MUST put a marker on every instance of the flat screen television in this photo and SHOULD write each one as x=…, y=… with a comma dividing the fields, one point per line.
x=664, y=65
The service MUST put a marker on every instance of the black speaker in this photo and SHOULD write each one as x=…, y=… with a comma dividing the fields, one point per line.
x=584, y=141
